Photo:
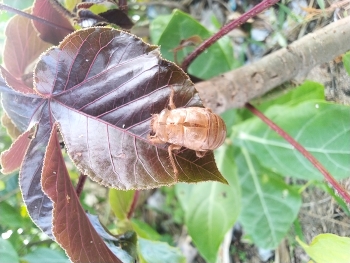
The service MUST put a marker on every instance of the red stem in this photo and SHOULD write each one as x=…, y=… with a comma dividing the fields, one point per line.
x=134, y=202
x=123, y=6
x=80, y=184
x=21, y=13
x=345, y=195
x=226, y=29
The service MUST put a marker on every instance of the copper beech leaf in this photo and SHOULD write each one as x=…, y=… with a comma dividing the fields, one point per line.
x=70, y=224
x=102, y=85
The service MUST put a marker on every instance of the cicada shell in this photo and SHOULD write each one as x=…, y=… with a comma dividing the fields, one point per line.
x=195, y=128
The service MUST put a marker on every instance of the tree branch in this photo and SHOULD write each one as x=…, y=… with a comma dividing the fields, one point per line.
x=235, y=88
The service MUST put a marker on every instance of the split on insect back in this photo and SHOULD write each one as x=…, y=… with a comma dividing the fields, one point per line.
x=103, y=87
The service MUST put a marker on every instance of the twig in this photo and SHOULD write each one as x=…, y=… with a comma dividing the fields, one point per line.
x=24, y=14
x=226, y=29
x=341, y=191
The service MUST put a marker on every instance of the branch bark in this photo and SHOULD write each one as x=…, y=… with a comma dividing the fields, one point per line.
x=235, y=88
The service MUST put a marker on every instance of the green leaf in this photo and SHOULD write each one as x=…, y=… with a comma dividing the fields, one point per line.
x=157, y=27
x=212, y=208
x=313, y=124
x=346, y=62
x=309, y=90
x=336, y=197
x=328, y=248
x=169, y=31
x=70, y=4
x=144, y=230
x=159, y=252
x=120, y=202
x=270, y=205
x=46, y=255
x=10, y=216
x=7, y=252
x=321, y=4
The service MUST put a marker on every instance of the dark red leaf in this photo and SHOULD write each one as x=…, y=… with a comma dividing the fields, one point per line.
x=103, y=85
x=21, y=50
x=45, y=10
x=12, y=158
x=71, y=226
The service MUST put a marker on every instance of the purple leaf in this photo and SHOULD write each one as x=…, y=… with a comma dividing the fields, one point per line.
x=102, y=86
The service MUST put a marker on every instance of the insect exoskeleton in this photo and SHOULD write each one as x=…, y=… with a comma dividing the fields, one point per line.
x=195, y=128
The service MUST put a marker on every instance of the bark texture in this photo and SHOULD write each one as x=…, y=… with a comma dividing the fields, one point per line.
x=235, y=88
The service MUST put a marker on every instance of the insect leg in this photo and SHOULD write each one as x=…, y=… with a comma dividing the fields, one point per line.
x=154, y=139
x=171, y=157
x=171, y=101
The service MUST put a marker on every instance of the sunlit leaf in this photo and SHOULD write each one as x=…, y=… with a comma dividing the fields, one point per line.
x=328, y=248
x=120, y=202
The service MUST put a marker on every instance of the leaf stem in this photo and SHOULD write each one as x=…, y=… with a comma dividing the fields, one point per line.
x=133, y=204
x=24, y=14
x=80, y=184
x=226, y=29
x=341, y=191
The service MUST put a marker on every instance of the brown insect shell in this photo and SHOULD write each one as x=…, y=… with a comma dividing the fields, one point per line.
x=194, y=128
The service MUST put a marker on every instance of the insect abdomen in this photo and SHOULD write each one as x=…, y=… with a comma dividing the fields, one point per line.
x=195, y=128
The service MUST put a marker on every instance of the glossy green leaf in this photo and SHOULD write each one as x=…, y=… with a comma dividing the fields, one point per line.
x=346, y=62
x=120, y=202
x=211, y=209
x=46, y=255
x=328, y=248
x=168, y=32
x=7, y=252
x=270, y=205
x=310, y=122
x=159, y=252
